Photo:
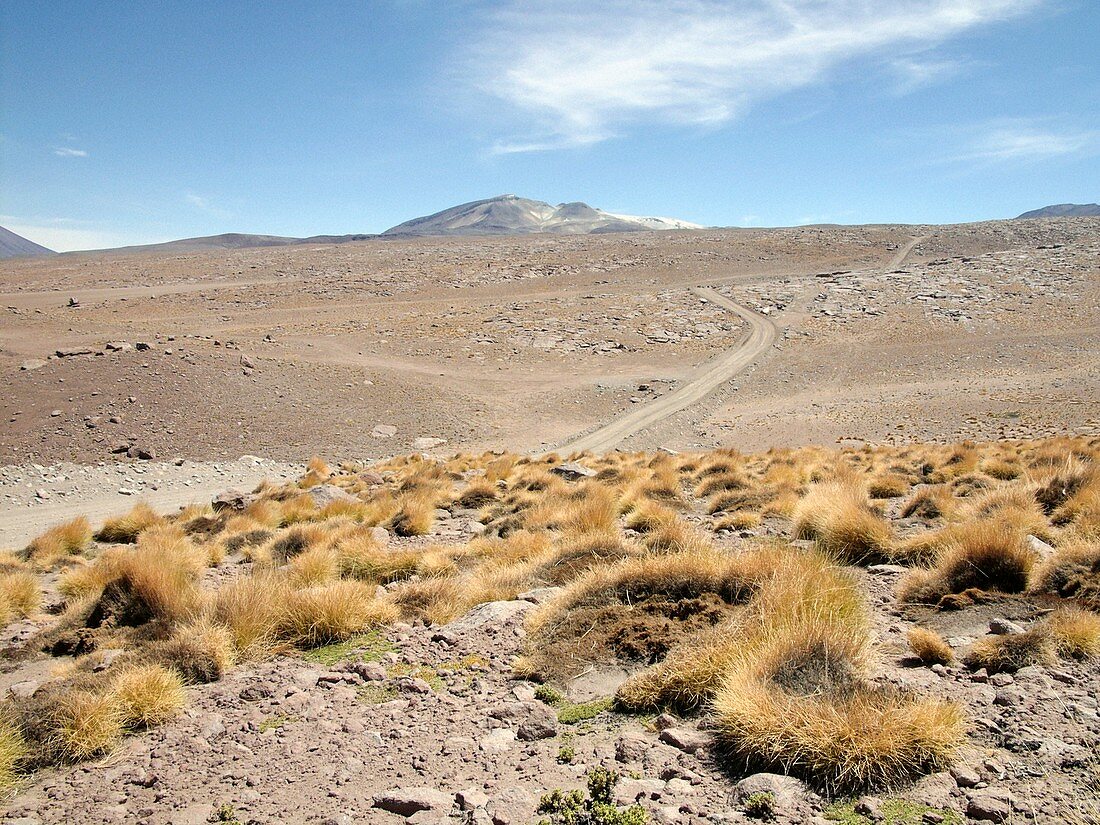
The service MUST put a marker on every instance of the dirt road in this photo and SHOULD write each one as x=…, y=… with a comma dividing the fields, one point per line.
x=761, y=336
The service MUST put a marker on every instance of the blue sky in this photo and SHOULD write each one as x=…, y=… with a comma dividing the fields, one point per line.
x=138, y=122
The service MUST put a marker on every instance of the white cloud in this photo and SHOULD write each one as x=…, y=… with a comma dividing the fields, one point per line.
x=66, y=152
x=1026, y=142
x=577, y=73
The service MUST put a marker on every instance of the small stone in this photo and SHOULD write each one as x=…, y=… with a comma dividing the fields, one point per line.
x=531, y=720
x=665, y=720
x=497, y=741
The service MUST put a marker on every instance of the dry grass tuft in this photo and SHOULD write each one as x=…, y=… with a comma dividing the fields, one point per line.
x=1072, y=572
x=1012, y=651
x=148, y=695
x=738, y=520
x=12, y=750
x=68, y=539
x=838, y=516
x=888, y=485
x=1076, y=632
x=19, y=595
x=648, y=516
x=126, y=529
x=478, y=494
x=87, y=725
x=929, y=503
x=200, y=652
x=333, y=612
x=414, y=516
x=252, y=608
x=929, y=646
x=986, y=555
x=847, y=742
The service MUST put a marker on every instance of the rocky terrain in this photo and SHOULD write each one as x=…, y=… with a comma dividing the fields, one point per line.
x=462, y=706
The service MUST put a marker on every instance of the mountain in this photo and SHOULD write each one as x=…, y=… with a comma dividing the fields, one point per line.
x=511, y=215
x=233, y=240
x=1065, y=210
x=16, y=246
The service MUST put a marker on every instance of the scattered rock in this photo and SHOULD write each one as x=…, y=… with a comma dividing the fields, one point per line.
x=631, y=747
x=1004, y=627
x=73, y=352
x=231, y=500
x=325, y=494
x=408, y=801
x=572, y=471
x=531, y=720
x=688, y=740
x=990, y=805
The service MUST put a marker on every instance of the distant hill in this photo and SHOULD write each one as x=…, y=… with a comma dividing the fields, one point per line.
x=16, y=246
x=235, y=240
x=511, y=215
x=1065, y=210
x=232, y=241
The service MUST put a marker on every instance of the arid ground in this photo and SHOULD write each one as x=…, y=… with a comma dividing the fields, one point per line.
x=436, y=624
x=982, y=331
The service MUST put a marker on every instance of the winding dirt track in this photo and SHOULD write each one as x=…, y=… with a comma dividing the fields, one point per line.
x=762, y=333
x=761, y=336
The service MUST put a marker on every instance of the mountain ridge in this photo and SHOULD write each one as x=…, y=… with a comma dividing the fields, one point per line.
x=1063, y=210
x=513, y=215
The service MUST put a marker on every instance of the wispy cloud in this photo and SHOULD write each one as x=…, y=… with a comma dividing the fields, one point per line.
x=68, y=152
x=1026, y=142
x=915, y=72
x=575, y=72
x=204, y=204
